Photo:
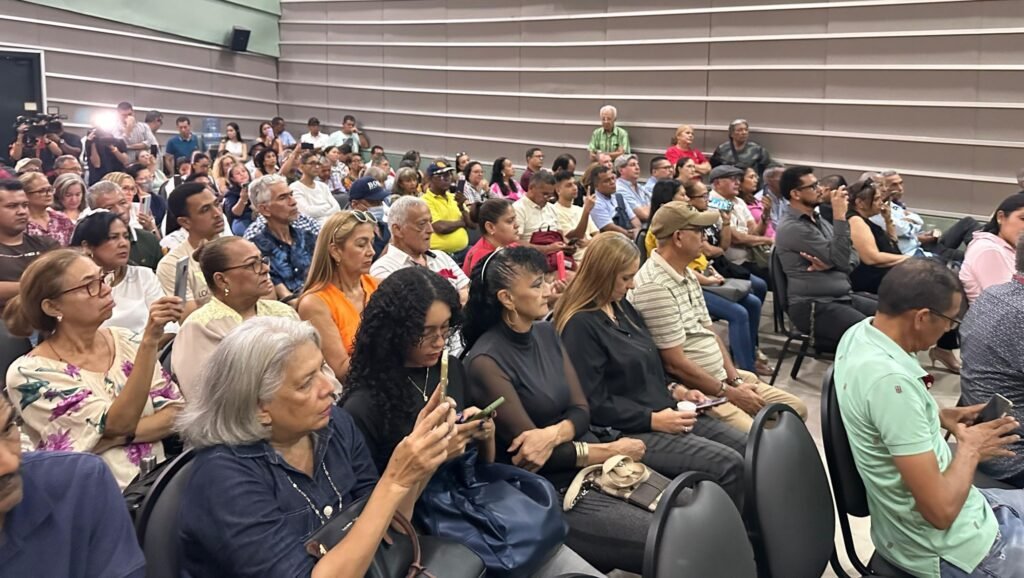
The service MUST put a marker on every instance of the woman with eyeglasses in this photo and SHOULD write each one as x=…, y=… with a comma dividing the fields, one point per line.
x=339, y=284
x=43, y=219
x=85, y=388
x=69, y=196
x=239, y=279
x=103, y=237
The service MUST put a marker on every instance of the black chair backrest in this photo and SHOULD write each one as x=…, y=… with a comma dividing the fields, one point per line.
x=164, y=357
x=851, y=496
x=780, y=286
x=157, y=521
x=697, y=531
x=792, y=521
x=11, y=348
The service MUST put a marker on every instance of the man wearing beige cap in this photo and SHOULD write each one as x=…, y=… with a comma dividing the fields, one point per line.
x=668, y=296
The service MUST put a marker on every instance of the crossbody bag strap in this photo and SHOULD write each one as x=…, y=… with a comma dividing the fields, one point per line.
x=576, y=487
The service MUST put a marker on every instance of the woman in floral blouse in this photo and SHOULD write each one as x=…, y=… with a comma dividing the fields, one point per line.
x=43, y=219
x=85, y=388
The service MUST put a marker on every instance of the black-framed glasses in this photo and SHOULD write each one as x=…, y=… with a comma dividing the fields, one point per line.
x=813, y=185
x=41, y=191
x=257, y=266
x=364, y=217
x=954, y=323
x=444, y=333
x=92, y=287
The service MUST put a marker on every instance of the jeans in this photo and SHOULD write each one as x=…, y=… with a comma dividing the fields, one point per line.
x=759, y=287
x=1006, y=558
x=743, y=317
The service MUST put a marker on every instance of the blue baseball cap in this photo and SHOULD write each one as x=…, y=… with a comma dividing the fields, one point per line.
x=367, y=188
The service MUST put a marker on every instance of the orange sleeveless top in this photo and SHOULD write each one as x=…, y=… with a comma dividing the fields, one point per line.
x=343, y=312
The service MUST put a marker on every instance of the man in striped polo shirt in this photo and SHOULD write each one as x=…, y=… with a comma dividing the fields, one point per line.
x=668, y=296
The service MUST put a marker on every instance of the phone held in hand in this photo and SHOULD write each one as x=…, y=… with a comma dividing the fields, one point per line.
x=443, y=384
x=997, y=407
x=181, y=278
x=144, y=205
x=720, y=204
x=487, y=411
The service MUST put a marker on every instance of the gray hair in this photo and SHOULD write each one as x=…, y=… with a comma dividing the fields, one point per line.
x=609, y=108
x=62, y=159
x=259, y=190
x=377, y=173
x=770, y=172
x=246, y=368
x=399, y=212
x=888, y=173
x=99, y=189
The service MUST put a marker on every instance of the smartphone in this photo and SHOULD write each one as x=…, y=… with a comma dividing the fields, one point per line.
x=181, y=278
x=306, y=146
x=268, y=132
x=443, y=384
x=720, y=204
x=487, y=411
x=560, y=265
x=154, y=150
x=997, y=407
x=711, y=402
x=144, y=205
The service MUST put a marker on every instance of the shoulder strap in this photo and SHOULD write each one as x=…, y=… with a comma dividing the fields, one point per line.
x=577, y=486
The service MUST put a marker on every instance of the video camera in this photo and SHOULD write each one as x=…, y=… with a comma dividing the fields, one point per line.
x=38, y=125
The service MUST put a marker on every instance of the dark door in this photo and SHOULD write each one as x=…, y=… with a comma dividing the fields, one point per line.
x=22, y=90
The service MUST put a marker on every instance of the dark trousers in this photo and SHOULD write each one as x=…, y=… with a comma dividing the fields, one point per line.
x=948, y=246
x=831, y=319
x=608, y=532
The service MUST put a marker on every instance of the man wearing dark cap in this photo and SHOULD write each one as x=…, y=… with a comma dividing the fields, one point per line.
x=368, y=195
x=725, y=185
x=314, y=137
x=448, y=215
x=669, y=297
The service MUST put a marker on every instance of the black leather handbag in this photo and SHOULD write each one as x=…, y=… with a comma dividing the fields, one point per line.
x=402, y=553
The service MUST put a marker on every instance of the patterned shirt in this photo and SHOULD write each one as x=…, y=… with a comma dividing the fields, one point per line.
x=672, y=305
x=288, y=263
x=609, y=142
x=302, y=223
x=992, y=348
x=60, y=228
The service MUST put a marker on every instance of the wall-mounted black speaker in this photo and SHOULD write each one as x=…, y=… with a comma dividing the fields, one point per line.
x=239, y=39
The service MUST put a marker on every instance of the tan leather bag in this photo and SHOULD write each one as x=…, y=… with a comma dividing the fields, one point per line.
x=619, y=477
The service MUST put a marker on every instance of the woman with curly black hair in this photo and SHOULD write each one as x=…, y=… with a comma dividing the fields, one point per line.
x=396, y=362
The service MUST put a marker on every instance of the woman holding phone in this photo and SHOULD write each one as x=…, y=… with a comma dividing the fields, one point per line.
x=544, y=424
x=233, y=143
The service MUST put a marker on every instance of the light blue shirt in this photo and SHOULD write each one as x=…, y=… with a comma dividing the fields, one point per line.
x=603, y=212
x=778, y=206
x=632, y=194
x=286, y=138
x=907, y=226
x=649, y=186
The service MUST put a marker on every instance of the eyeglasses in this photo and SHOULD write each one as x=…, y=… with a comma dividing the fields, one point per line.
x=954, y=324
x=695, y=197
x=444, y=333
x=814, y=185
x=257, y=266
x=364, y=217
x=42, y=191
x=92, y=287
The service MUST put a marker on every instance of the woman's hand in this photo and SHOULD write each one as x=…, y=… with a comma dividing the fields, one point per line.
x=532, y=448
x=420, y=453
x=670, y=420
x=630, y=447
x=468, y=431
x=147, y=221
x=163, y=311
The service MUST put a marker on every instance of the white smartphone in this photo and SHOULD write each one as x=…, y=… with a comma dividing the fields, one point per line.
x=144, y=206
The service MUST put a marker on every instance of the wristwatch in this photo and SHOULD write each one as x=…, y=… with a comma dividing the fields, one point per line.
x=721, y=390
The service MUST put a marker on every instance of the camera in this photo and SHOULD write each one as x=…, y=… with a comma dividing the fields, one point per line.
x=38, y=125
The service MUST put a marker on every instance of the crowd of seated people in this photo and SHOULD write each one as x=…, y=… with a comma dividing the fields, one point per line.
x=324, y=295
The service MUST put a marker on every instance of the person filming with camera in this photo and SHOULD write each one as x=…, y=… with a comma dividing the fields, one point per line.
x=43, y=137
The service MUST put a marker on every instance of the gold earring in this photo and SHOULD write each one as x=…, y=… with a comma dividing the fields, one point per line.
x=227, y=291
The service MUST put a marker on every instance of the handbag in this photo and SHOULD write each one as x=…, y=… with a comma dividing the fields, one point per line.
x=728, y=269
x=761, y=255
x=548, y=237
x=508, y=516
x=402, y=553
x=619, y=477
x=732, y=289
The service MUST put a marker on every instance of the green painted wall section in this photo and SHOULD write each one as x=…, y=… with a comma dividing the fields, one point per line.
x=200, y=20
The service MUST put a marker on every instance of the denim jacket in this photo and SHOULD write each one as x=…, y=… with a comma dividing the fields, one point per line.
x=242, y=516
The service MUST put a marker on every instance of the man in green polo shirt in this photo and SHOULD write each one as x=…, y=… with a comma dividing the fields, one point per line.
x=609, y=138
x=926, y=516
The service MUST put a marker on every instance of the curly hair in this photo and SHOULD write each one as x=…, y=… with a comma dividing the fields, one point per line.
x=391, y=327
x=483, y=310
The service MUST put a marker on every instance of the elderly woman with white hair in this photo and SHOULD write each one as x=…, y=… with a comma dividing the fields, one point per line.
x=277, y=459
x=610, y=138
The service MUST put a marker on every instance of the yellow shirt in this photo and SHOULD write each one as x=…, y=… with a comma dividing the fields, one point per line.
x=700, y=264
x=446, y=209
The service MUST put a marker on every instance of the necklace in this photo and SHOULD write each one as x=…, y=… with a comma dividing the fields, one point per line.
x=66, y=362
x=328, y=509
x=422, y=390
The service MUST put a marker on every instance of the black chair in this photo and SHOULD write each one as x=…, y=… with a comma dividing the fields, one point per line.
x=780, y=306
x=164, y=357
x=789, y=503
x=156, y=523
x=847, y=485
x=697, y=533
x=11, y=348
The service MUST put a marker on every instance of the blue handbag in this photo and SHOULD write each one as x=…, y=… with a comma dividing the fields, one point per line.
x=511, y=518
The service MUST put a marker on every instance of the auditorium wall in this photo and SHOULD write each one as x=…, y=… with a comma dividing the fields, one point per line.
x=931, y=88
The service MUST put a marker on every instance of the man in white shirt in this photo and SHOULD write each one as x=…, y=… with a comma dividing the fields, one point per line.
x=535, y=213
x=193, y=207
x=312, y=195
x=574, y=221
x=136, y=135
x=350, y=135
x=314, y=137
x=410, y=220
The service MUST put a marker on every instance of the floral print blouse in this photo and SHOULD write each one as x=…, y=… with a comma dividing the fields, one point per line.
x=65, y=407
x=60, y=228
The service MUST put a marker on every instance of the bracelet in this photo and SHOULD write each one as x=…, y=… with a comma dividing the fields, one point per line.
x=736, y=380
x=585, y=454
x=721, y=390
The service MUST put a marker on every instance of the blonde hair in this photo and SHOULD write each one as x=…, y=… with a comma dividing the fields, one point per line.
x=335, y=231
x=679, y=129
x=608, y=254
x=43, y=279
x=27, y=177
x=116, y=177
x=217, y=172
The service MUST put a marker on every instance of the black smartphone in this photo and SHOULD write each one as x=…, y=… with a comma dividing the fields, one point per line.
x=154, y=150
x=306, y=146
x=997, y=407
x=711, y=402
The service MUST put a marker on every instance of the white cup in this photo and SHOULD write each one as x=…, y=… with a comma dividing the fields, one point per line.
x=686, y=406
